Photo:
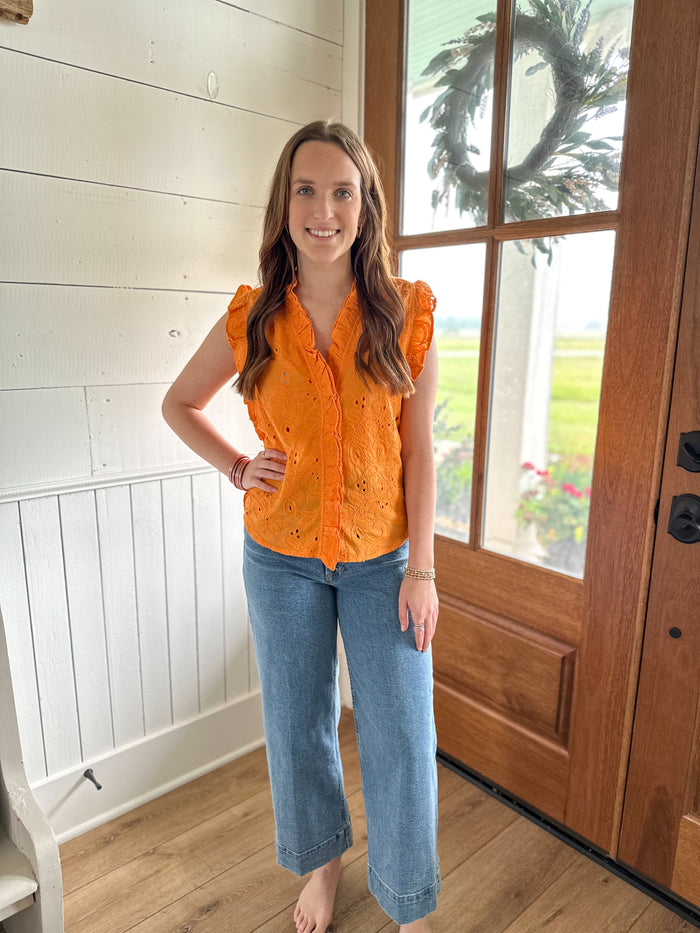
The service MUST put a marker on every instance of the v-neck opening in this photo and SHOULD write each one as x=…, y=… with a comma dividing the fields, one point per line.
x=342, y=325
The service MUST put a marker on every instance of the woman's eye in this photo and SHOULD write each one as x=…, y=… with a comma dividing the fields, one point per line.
x=304, y=190
x=343, y=193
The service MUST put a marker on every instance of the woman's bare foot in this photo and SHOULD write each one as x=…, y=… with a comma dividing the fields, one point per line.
x=314, y=910
x=418, y=926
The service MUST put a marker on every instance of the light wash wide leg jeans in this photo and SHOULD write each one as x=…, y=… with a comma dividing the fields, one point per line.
x=295, y=604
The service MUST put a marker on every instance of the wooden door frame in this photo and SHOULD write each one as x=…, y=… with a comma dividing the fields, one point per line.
x=655, y=196
x=661, y=825
x=661, y=132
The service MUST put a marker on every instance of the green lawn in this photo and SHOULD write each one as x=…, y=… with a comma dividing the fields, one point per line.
x=574, y=401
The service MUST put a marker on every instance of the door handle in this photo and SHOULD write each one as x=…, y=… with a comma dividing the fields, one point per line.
x=689, y=451
x=684, y=521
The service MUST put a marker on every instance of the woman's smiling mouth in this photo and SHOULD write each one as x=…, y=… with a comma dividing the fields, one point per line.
x=323, y=234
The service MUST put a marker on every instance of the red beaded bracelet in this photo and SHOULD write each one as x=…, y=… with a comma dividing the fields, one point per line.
x=235, y=474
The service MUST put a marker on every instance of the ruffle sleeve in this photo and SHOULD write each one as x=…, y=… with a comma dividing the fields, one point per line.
x=236, y=322
x=419, y=318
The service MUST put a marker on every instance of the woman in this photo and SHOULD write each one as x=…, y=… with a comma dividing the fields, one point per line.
x=337, y=367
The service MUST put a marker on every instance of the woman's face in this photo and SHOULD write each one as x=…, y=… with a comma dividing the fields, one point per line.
x=325, y=205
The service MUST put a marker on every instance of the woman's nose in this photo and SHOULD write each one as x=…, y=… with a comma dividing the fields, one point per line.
x=323, y=206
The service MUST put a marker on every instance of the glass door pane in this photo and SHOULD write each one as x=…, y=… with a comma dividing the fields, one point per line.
x=447, y=114
x=551, y=322
x=456, y=276
x=569, y=64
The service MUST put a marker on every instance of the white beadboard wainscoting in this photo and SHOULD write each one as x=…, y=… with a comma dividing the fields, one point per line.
x=133, y=181
x=127, y=628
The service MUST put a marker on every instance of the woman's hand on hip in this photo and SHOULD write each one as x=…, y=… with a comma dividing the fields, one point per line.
x=420, y=597
x=269, y=464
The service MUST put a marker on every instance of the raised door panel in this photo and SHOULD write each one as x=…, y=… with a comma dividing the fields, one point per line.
x=511, y=669
x=501, y=750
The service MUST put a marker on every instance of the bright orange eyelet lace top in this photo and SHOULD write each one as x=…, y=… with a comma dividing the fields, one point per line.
x=342, y=497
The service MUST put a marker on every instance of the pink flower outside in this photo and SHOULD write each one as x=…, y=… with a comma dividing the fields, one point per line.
x=572, y=490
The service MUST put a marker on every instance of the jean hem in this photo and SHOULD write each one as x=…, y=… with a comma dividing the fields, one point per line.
x=301, y=863
x=404, y=908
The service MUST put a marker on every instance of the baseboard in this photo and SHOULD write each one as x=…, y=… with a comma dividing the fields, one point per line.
x=137, y=773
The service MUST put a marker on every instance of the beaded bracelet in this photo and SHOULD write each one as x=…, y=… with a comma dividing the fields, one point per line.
x=235, y=474
x=420, y=574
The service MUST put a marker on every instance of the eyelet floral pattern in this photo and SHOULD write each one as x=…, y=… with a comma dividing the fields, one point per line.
x=341, y=498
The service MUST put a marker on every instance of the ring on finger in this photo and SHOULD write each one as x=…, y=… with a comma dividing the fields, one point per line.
x=419, y=628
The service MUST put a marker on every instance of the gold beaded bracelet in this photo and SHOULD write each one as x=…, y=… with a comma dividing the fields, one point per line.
x=420, y=574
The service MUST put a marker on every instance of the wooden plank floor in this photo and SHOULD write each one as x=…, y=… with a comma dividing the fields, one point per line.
x=201, y=858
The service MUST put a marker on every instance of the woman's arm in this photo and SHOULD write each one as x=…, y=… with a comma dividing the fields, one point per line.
x=210, y=368
x=416, y=431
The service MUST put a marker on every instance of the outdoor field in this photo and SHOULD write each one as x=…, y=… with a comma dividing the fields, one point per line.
x=578, y=363
x=559, y=509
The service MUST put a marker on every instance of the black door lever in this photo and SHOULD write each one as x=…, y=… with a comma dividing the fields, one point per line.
x=684, y=522
x=689, y=451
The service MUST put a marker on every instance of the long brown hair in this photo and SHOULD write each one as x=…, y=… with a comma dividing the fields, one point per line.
x=378, y=354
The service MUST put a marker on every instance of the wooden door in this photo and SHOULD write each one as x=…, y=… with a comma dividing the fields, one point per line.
x=661, y=817
x=536, y=670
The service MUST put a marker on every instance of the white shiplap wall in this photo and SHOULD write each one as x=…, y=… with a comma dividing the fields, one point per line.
x=131, y=203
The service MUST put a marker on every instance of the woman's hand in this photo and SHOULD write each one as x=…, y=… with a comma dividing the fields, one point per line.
x=420, y=597
x=268, y=464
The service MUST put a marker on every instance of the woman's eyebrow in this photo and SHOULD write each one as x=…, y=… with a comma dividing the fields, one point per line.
x=336, y=184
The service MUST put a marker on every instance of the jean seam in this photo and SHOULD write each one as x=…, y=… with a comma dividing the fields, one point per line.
x=354, y=707
x=321, y=845
x=338, y=759
x=428, y=891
